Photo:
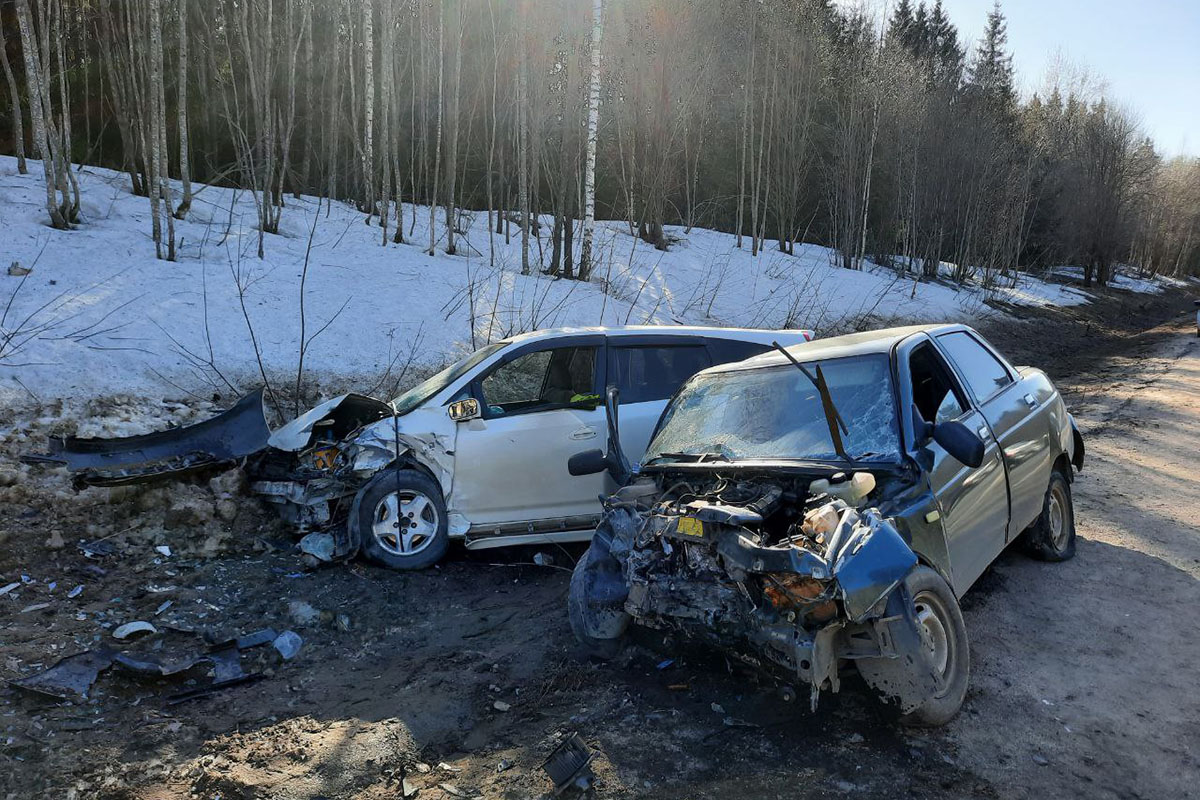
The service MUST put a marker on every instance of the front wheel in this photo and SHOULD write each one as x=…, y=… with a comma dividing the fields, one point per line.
x=402, y=521
x=945, y=652
x=1052, y=536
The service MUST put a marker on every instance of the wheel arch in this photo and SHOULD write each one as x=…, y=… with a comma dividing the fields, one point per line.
x=405, y=461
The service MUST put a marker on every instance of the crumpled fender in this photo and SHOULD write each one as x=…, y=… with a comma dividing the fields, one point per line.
x=908, y=678
x=596, y=601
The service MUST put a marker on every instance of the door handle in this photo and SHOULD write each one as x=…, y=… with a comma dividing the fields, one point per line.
x=1030, y=401
x=584, y=433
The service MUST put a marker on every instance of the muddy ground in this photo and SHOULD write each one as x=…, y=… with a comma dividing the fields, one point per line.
x=460, y=680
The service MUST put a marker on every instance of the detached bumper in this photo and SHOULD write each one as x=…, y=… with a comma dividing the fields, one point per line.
x=220, y=441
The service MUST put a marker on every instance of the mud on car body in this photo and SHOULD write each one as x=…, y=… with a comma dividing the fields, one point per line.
x=829, y=504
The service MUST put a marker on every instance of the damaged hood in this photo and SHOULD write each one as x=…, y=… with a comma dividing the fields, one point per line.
x=356, y=409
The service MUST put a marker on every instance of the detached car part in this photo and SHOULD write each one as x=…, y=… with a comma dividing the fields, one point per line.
x=217, y=442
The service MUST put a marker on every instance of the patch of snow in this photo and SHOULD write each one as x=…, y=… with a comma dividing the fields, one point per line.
x=99, y=315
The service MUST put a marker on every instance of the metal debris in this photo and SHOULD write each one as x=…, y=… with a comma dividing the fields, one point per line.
x=570, y=765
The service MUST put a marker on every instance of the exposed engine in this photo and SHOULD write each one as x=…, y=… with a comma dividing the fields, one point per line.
x=786, y=575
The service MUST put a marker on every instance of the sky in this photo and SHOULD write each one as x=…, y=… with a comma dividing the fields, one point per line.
x=1147, y=51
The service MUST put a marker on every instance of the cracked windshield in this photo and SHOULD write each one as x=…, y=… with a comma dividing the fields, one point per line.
x=777, y=413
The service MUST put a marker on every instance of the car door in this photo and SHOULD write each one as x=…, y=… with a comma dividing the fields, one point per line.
x=539, y=406
x=973, y=502
x=1011, y=411
x=647, y=373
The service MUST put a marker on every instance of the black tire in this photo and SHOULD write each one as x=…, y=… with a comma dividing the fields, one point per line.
x=428, y=536
x=603, y=649
x=1052, y=536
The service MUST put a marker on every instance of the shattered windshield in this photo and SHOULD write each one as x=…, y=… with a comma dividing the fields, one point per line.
x=435, y=383
x=776, y=413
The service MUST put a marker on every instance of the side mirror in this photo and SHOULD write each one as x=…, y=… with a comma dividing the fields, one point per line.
x=960, y=441
x=589, y=462
x=463, y=410
x=955, y=438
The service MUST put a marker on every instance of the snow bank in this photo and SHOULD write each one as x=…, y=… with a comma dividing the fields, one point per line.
x=99, y=314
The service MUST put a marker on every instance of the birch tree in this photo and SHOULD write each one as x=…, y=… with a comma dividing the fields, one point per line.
x=593, y=124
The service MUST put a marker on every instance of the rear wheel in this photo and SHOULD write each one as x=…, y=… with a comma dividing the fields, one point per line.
x=1052, y=536
x=402, y=520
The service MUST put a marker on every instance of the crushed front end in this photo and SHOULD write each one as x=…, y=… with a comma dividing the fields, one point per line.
x=786, y=584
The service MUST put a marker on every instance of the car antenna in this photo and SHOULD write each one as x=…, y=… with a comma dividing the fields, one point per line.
x=832, y=417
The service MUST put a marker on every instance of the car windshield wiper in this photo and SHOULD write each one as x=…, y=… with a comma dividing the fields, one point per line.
x=695, y=458
x=832, y=417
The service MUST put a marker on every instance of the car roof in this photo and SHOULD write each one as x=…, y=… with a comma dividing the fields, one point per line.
x=850, y=344
x=749, y=334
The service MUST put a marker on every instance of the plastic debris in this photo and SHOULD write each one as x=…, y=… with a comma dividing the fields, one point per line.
x=78, y=590
x=318, y=545
x=163, y=607
x=6, y=589
x=500, y=705
x=543, y=559
x=130, y=628
x=164, y=550
x=287, y=644
x=34, y=607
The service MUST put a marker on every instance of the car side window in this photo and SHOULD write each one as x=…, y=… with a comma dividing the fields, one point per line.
x=540, y=380
x=727, y=351
x=646, y=373
x=982, y=371
x=935, y=392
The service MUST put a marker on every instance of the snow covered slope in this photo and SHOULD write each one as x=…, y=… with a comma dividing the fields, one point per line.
x=99, y=314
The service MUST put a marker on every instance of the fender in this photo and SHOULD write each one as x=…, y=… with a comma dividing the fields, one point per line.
x=1077, y=448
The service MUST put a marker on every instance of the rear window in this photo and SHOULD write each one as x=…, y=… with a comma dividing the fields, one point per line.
x=647, y=373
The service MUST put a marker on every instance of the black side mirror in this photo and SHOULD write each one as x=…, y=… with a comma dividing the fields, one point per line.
x=961, y=442
x=955, y=438
x=618, y=464
x=589, y=462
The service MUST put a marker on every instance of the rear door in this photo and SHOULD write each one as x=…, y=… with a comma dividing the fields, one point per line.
x=973, y=502
x=1012, y=413
x=510, y=465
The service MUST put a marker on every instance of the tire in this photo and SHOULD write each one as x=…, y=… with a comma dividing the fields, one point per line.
x=937, y=609
x=402, y=496
x=943, y=633
x=577, y=607
x=1052, y=535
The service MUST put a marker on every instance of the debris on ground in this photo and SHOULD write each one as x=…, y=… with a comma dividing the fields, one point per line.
x=318, y=545
x=570, y=765
x=130, y=629
x=175, y=653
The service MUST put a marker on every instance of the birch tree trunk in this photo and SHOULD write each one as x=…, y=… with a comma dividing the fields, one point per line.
x=437, y=142
x=181, y=79
x=17, y=122
x=39, y=113
x=589, y=166
x=452, y=149
x=369, y=171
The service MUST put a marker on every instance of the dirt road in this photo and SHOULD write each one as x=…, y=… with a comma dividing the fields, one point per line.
x=1082, y=686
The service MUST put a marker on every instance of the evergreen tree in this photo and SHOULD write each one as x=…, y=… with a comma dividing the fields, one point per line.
x=991, y=72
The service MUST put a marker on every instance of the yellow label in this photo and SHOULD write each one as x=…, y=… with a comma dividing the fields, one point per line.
x=690, y=526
